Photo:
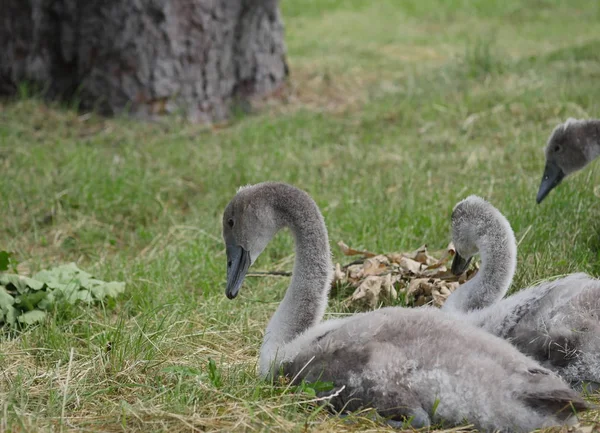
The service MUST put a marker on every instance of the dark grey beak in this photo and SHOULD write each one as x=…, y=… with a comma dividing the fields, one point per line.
x=553, y=175
x=238, y=262
x=460, y=264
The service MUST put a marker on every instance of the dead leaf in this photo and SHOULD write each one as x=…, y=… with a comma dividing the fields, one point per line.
x=410, y=265
x=438, y=299
x=420, y=255
x=422, y=277
x=422, y=300
x=367, y=293
x=395, y=257
x=347, y=251
x=354, y=272
x=436, y=272
x=442, y=291
x=375, y=265
x=420, y=286
x=387, y=288
x=338, y=274
x=447, y=255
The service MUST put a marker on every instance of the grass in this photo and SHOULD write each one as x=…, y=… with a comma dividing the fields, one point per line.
x=396, y=111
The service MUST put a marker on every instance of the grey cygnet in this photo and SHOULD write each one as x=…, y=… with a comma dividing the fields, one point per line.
x=415, y=365
x=556, y=322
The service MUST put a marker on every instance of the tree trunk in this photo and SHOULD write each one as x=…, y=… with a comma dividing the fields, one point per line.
x=146, y=57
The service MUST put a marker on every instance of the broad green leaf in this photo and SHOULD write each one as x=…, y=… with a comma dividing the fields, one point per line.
x=47, y=301
x=319, y=386
x=21, y=283
x=29, y=301
x=85, y=296
x=6, y=299
x=70, y=294
x=111, y=289
x=68, y=289
x=12, y=282
x=61, y=275
x=10, y=314
x=310, y=391
x=4, y=260
x=24, y=299
x=47, y=277
x=31, y=317
x=31, y=283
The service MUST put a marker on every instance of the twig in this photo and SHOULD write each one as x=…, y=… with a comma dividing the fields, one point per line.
x=289, y=274
x=355, y=262
x=327, y=397
x=269, y=273
x=314, y=400
x=380, y=274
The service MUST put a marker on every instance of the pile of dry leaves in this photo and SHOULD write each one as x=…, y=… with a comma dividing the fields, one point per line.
x=378, y=279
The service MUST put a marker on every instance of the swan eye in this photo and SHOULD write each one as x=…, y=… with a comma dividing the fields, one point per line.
x=230, y=222
x=557, y=148
x=229, y=264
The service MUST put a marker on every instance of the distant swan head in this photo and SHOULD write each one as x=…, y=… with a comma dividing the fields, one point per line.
x=567, y=151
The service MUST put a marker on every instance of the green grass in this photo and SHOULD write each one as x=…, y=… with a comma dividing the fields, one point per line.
x=397, y=111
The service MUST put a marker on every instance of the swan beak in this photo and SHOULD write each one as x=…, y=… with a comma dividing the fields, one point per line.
x=460, y=264
x=238, y=262
x=553, y=175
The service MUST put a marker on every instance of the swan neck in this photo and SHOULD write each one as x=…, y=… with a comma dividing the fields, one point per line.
x=498, y=252
x=305, y=300
x=593, y=148
x=498, y=264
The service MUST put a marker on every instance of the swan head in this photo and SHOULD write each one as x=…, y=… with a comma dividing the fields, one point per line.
x=565, y=154
x=471, y=220
x=249, y=223
x=464, y=236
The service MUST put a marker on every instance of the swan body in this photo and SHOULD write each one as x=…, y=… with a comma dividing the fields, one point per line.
x=556, y=322
x=419, y=365
x=571, y=146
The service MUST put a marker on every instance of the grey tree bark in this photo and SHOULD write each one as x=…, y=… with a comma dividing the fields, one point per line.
x=146, y=57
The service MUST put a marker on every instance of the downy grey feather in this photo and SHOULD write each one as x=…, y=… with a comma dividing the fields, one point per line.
x=415, y=364
x=556, y=322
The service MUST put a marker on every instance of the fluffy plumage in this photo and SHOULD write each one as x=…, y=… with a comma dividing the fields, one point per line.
x=402, y=362
x=556, y=322
x=480, y=228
